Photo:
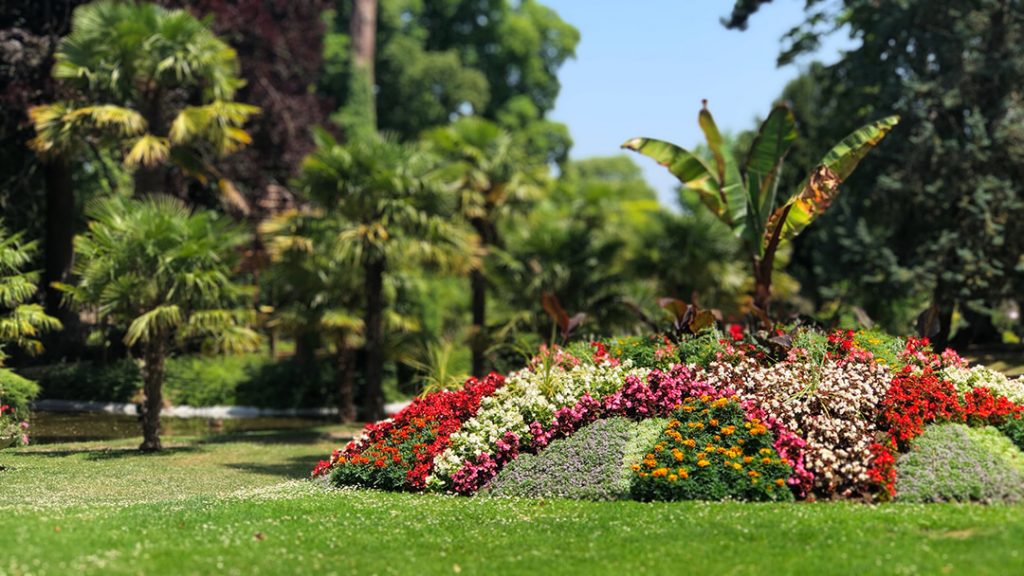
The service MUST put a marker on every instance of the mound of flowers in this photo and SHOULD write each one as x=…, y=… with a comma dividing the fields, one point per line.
x=768, y=417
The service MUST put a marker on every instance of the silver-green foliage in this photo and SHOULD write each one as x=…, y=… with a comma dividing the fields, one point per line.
x=592, y=464
x=952, y=462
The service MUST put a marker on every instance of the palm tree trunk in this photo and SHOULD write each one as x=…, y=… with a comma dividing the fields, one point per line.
x=345, y=372
x=478, y=287
x=374, y=286
x=363, y=31
x=150, y=180
x=359, y=114
x=153, y=403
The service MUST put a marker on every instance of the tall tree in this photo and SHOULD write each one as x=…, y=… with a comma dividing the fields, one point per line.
x=493, y=176
x=168, y=105
x=438, y=60
x=162, y=274
x=21, y=322
x=390, y=214
x=946, y=201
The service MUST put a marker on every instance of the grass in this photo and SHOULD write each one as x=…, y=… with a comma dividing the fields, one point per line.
x=236, y=504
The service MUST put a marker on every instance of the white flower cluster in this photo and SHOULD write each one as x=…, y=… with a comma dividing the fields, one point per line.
x=833, y=406
x=967, y=379
x=529, y=395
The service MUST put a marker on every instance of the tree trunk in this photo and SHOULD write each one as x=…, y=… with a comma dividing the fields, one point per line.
x=374, y=288
x=345, y=371
x=153, y=403
x=150, y=180
x=363, y=31
x=59, y=246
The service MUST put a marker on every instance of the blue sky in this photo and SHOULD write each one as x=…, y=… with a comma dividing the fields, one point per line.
x=643, y=66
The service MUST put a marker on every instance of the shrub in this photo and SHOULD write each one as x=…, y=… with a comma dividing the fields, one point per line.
x=399, y=453
x=117, y=381
x=710, y=450
x=15, y=395
x=952, y=462
x=1013, y=428
x=592, y=464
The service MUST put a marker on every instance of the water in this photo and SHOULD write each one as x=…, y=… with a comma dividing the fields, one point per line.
x=53, y=427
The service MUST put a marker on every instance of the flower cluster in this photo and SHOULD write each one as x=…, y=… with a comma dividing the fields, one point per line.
x=534, y=395
x=399, y=453
x=832, y=406
x=966, y=379
x=919, y=397
x=710, y=450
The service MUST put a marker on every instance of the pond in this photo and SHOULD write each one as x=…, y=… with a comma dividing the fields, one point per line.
x=53, y=427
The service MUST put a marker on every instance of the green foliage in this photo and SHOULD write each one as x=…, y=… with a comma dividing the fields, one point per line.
x=17, y=392
x=162, y=274
x=709, y=450
x=951, y=462
x=21, y=322
x=1014, y=430
x=745, y=197
x=937, y=220
x=701, y=349
x=438, y=60
x=118, y=381
x=649, y=351
x=123, y=92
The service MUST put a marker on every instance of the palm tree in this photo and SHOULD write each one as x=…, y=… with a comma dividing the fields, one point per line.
x=163, y=275
x=494, y=178
x=389, y=214
x=21, y=323
x=317, y=291
x=154, y=84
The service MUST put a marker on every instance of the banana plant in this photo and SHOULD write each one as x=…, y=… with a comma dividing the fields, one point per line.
x=746, y=197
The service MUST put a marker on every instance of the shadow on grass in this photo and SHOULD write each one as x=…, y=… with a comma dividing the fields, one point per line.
x=284, y=436
x=104, y=453
x=296, y=467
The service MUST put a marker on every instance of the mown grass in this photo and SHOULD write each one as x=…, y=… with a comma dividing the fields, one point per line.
x=237, y=505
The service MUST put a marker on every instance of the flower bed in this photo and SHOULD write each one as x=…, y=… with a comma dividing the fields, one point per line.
x=834, y=413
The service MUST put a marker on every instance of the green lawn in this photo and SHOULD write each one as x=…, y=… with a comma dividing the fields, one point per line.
x=236, y=504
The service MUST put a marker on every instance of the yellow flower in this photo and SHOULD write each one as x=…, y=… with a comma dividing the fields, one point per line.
x=683, y=473
x=766, y=451
x=737, y=466
x=748, y=459
x=728, y=430
x=672, y=477
x=690, y=443
x=703, y=463
x=780, y=482
x=753, y=474
x=766, y=460
x=713, y=422
x=660, y=473
x=635, y=467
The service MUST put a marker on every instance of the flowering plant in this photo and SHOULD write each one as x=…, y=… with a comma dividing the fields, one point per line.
x=710, y=450
x=552, y=382
x=15, y=394
x=398, y=454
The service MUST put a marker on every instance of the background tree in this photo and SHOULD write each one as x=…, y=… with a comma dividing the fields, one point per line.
x=435, y=60
x=163, y=275
x=493, y=177
x=21, y=322
x=170, y=104
x=391, y=215
x=280, y=55
x=946, y=202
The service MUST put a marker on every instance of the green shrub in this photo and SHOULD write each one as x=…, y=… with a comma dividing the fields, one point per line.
x=17, y=392
x=645, y=351
x=711, y=451
x=589, y=465
x=248, y=380
x=701, y=349
x=952, y=462
x=1014, y=430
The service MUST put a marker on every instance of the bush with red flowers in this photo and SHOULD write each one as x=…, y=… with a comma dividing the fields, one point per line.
x=398, y=454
